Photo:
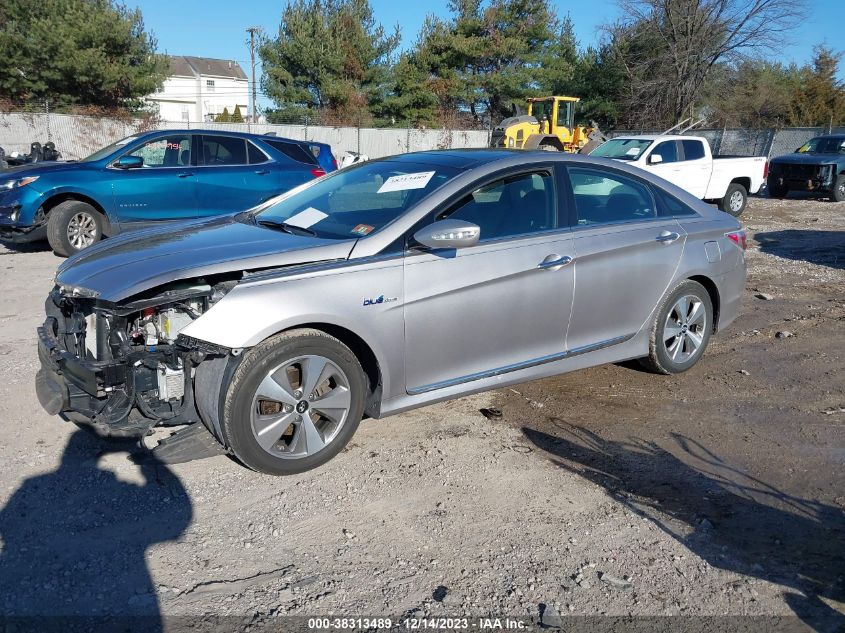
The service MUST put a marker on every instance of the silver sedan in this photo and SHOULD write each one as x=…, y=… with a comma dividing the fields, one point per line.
x=381, y=288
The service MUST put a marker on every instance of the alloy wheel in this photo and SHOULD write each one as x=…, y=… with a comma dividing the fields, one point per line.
x=683, y=332
x=735, y=201
x=82, y=230
x=300, y=407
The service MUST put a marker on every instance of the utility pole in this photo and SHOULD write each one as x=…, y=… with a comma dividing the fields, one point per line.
x=252, y=31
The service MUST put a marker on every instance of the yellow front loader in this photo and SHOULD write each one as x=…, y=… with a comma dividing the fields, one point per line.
x=549, y=125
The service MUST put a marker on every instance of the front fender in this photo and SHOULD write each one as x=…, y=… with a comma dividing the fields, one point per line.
x=341, y=297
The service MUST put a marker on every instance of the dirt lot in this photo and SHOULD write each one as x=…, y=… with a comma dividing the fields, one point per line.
x=720, y=492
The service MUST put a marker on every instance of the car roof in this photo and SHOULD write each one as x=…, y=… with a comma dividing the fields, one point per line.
x=459, y=158
x=249, y=135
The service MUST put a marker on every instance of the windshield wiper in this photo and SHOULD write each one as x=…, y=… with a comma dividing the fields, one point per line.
x=292, y=229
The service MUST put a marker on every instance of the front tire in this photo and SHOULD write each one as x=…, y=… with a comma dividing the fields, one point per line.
x=294, y=402
x=776, y=190
x=838, y=193
x=681, y=329
x=736, y=197
x=73, y=226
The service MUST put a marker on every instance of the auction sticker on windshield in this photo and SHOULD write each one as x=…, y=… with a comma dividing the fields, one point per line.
x=407, y=181
x=362, y=229
x=306, y=218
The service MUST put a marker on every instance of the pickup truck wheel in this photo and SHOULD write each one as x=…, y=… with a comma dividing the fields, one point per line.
x=838, y=193
x=294, y=402
x=736, y=197
x=72, y=226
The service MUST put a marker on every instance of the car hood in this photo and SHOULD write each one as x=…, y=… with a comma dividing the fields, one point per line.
x=36, y=169
x=805, y=159
x=123, y=266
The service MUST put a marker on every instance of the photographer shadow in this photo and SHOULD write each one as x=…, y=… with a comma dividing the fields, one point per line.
x=725, y=516
x=74, y=542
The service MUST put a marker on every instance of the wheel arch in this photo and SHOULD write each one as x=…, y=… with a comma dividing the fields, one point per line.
x=745, y=181
x=362, y=350
x=713, y=292
x=56, y=199
x=535, y=140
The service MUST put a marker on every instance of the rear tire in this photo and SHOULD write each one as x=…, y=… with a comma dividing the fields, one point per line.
x=736, y=197
x=681, y=329
x=549, y=147
x=294, y=402
x=838, y=193
x=73, y=226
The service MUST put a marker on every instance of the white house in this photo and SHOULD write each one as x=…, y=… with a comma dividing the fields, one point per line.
x=199, y=88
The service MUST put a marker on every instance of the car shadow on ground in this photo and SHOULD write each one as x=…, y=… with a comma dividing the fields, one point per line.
x=825, y=248
x=725, y=516
x=74, y=542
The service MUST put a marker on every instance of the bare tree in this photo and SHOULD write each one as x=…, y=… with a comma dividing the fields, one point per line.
x=669, y=47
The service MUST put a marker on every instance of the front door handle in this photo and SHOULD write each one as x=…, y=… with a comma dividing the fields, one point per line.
x=667, y=237
x=554, y=262
x=263, y=172
x=185, y=174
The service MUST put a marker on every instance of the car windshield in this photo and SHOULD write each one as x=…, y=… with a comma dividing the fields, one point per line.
x=108, y=149
x=356, y=201
x=823, y=145
x=622, y=148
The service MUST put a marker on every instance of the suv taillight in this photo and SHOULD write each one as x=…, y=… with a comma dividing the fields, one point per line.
x=318, y=171
x=765, y=170
x=739, y=238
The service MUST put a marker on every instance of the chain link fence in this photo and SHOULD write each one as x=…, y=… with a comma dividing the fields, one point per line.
x=767, y=142
x=77, y=136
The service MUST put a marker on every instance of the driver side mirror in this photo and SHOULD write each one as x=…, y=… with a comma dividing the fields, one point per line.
x=129, y=162
x=654, y=159
x=448, y=234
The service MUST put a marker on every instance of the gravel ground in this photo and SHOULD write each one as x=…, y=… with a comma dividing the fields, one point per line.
x=606, y=492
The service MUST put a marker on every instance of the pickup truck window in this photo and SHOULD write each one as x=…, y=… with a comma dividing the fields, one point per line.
x=602, y=198
x=622, y=148
x=668, y=150
x=223, y=150
x=165, y=151
x=693, y=149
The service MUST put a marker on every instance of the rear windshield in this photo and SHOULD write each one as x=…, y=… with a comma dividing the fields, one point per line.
x=293, y=150
x=622, y=148
x=357, y=201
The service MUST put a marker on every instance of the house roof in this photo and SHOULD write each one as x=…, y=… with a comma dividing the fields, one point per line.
x=188, y=66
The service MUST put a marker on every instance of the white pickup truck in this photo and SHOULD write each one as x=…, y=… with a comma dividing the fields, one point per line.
x=687, y=161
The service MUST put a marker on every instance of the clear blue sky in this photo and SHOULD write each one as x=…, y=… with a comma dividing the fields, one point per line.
x=217, y=28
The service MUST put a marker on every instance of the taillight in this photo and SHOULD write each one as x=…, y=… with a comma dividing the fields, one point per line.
x=739, y=238
x=318, y=171
x=765, y=170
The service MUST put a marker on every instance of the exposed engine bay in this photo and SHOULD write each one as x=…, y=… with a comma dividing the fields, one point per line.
x=125, y=368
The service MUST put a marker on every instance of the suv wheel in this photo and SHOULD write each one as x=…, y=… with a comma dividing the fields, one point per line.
x=735, y=200
x=294, y=402
x=681, y=330
x=73, y=226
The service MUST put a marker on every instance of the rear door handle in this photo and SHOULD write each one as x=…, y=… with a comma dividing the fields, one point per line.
x=667, y=237
x=554, y=262
x=263, y=172
x=185, y=174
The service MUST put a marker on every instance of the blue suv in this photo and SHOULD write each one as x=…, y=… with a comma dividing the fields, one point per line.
x=149, y=178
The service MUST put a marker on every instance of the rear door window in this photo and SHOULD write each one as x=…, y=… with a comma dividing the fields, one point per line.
x=693, y=149
x=604, y=197
x=255, y=155
x=223, y=150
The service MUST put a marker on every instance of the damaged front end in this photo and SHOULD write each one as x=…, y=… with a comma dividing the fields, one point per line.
x=124, y=368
